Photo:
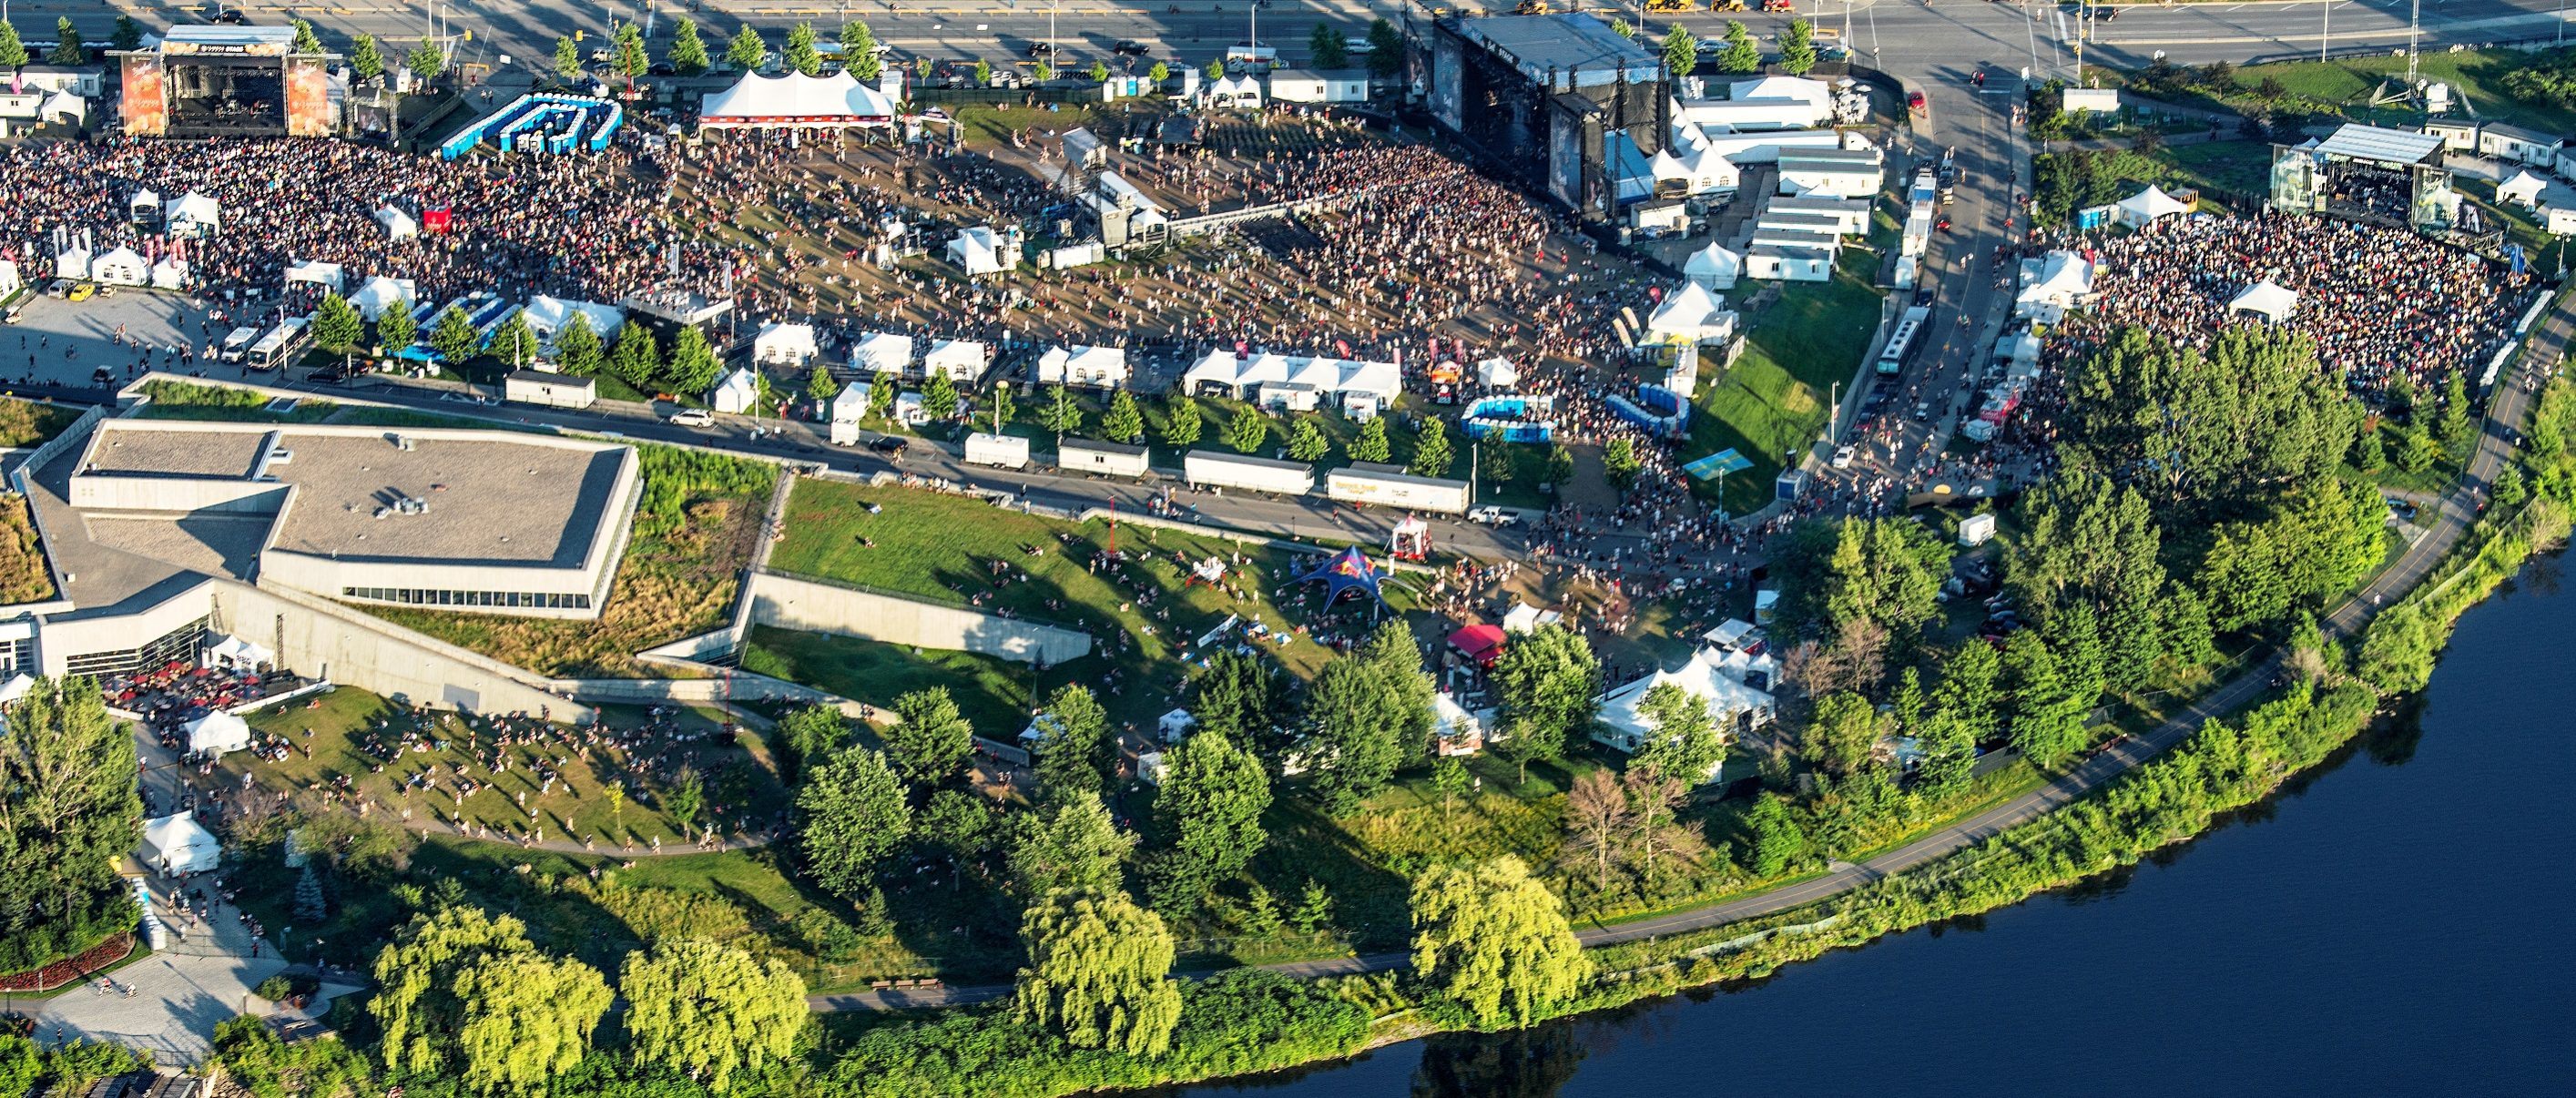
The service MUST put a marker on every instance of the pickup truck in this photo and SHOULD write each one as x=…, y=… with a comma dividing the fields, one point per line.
x=1493, y=516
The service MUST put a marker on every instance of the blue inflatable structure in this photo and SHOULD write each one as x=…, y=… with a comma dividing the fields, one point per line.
x=537, y=123
x=1512, y=418
x=1661, y=411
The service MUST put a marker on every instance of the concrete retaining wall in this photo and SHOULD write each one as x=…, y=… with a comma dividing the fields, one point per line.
x=328, y=641
x=813, y=606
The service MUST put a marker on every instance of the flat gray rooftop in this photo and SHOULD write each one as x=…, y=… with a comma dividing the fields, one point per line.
x=1564, y=41
x=135, y=449
x=490, y=500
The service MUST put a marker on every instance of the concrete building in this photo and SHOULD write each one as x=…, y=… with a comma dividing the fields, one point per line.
x=1559, y=102
x=1301, y=86
x=1832, y=173
x=481, y=521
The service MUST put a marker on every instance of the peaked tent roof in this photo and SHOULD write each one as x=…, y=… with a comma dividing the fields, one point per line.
x=2153, y=203
x=2267, y=297
x=1344, y=572
x=795, y=99
x=1716, y=259
x=180, y=844
x=1690, y=310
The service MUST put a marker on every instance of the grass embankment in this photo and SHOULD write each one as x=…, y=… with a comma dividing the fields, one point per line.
x=186, y=400
x=24, y=576
x=25, y=423
x=696, y=528
x=1776, y=398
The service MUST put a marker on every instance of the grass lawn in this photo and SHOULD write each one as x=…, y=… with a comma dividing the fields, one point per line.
x=1774, y=399
x=23, y=574
x=183, y=400
x=2237, y=167
x=740, y=780
x=990, y=124
x=696, y=529
x=993, y=694
x=2342, y=87
x=25, y=423
x=948, y=548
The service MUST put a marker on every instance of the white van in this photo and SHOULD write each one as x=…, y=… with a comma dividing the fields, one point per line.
x=692, y=417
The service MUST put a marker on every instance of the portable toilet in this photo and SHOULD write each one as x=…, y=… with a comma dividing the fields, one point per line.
x=1792, y=484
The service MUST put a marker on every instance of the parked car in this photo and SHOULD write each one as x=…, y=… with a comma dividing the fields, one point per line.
x=691, y=417
x=1843, y=457
x=1129, y=47
x=889, y=445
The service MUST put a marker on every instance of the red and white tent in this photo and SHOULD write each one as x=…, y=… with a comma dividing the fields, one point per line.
x=797, y=101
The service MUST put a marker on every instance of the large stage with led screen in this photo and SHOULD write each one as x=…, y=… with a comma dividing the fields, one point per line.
x=223, y=81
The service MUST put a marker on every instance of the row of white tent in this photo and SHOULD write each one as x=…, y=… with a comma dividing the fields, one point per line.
x=1241, y=376
x=189, y=214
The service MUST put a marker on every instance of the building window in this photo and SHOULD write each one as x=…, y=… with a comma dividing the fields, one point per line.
x=407, y=596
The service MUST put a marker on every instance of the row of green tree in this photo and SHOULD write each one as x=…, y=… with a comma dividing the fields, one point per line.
x=633, y=355
x=68, y=49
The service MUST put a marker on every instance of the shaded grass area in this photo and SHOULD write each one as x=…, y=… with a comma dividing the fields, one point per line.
x=993, y=694
x=695, y=531
x=30, y=423
x=182, y=400
x=24, y=576
x=1774, y=400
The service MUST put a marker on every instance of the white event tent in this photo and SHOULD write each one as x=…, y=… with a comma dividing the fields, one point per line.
x=216, y=733
x=398, y=224
x=2267, y=299
x=121, y=267
x=963, y=360
x=1690, y=315
x=378, y=294
x=1714, y=267
x=796, y=101
x=178, y=844
x=878, y=352
x=1241, y=376
x=1098, y=367
x=2150, y=206
x=979, y=251
x=736, y=394
x=327, y=275
x=192, y=214
x=784, y=345
x=849, y=406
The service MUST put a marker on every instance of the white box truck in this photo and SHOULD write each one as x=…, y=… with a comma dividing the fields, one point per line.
x=1391, y=486
x=998, y=451
x=1210, y=469
x=1111, y=459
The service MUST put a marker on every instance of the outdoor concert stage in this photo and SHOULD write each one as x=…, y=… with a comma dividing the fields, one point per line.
x=2372, y=174
x=214, y=81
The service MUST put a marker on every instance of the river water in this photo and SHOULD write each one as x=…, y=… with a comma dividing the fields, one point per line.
x=2396, y=922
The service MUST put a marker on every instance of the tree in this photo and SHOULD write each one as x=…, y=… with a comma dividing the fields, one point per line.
x=1306, y=441
x=1777, y=841
x=1386, y=48
x=426, y=61
x=1740, y=55
x=2369, y=454
x=1077, y=752
x=128, y=34
x=454, y=337
x=1596, y=822
x=1098, y=973
x=1351, y=737
x=1371, y=444
x=2047, y=718
x=709, y=1010
x=13, y=49
x=528, y=1018
x=2451, y=426
x=1654, y=805
x=513, y=342
x=1238, y=697
x=1968, y=689
x=929, y=741
x=1547, y=678
x=746, y=51
x=1098, y=72
x=1215, y=69
x=1314, y=908
x=68, y=813
x=1060, y=414
x=939, y=397
x=688, y=52
x=694, y=365
x=630, y=58
x=1619, y=459
x=819, y=386
x=1687, y=743
x=577, y=348
x=961, y=827
x=800, y=53
x=1449, y=779
x=310, y=905
x=1123, y=422
x=1181, y=423
x=1798, y=48
x=2510, y=488
x=1042, y=72
x=1074, y=845
x=567, y=65
x=366, y=59
x=336, y=325
x=1396, y=660
x=852, y=813
x=684, y=796
x=395, y=329
x=2398, y=648
x=1502, y=462
x=1842, y=735
x=1328, y=48
x=636, y=357
x=1431, y=453
x=812, y=734
x=859, y=48
x=1159, y=73
x=1210, y=807
x=67, y=45
x=1248, y=431
x=1491, y=938
x=305, y=40
x=1681, y=51
x=881, y=393
x=420, y=1006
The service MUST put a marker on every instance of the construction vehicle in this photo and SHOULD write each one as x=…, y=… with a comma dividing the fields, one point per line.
x=1670, y=7
x=1533, y=7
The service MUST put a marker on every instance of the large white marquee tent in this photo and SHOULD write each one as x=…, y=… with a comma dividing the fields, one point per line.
x=797, y=101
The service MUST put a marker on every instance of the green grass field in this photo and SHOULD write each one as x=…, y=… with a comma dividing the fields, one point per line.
x=1774, y=399
x=2343, y=87
x=993, y=694
x=26, y=423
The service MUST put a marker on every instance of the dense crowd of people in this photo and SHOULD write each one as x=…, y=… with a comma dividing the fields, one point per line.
x=2379, y=303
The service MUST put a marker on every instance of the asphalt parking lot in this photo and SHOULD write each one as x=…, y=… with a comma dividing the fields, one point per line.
x=59, y=342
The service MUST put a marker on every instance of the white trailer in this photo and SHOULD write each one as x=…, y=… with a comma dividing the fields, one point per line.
x=998, y=451
x=237, y=343
x=1391, y=486
x=549, y=390
x=1210, y=469
x=1110, y=459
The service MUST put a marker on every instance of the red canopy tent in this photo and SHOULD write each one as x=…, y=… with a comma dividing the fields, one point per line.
x=1481, y=643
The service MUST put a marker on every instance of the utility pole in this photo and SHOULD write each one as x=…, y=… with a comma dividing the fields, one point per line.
x=2325, y=31
x=2414, y=33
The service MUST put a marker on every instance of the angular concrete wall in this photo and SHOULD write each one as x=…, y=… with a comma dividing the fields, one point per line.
x=324, y=640
x=813, y=606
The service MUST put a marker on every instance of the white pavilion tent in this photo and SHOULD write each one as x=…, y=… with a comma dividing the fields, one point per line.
x=978, y=250
x=878, y=352
x=72, y=262
x=2149, y=206
x=121, y=267
x=1622, y=727
x=2053, y=283
x=379, y=294
x=327, y=275
x=178, y=844
x=2523, y=189
x=784, y=345
x=16, y=687
x=849, y=406
x=239, y=655
x=1715, y=267
x=736, y=394
x=796, y=101
x=145, y=201
x=1098, y=367
x=2267, y=299
x=170, y=274
x=1690, y=315
x=398, y=224
x=963, y=360
x=192, y=214
x=1498, y=373
x=218, y=732
x=1523, y=618
x=547, y=315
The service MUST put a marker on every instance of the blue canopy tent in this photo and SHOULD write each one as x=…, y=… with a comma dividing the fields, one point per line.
x=1345, y=572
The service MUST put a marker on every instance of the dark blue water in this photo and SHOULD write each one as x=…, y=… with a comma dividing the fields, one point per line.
x=2397, y=922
